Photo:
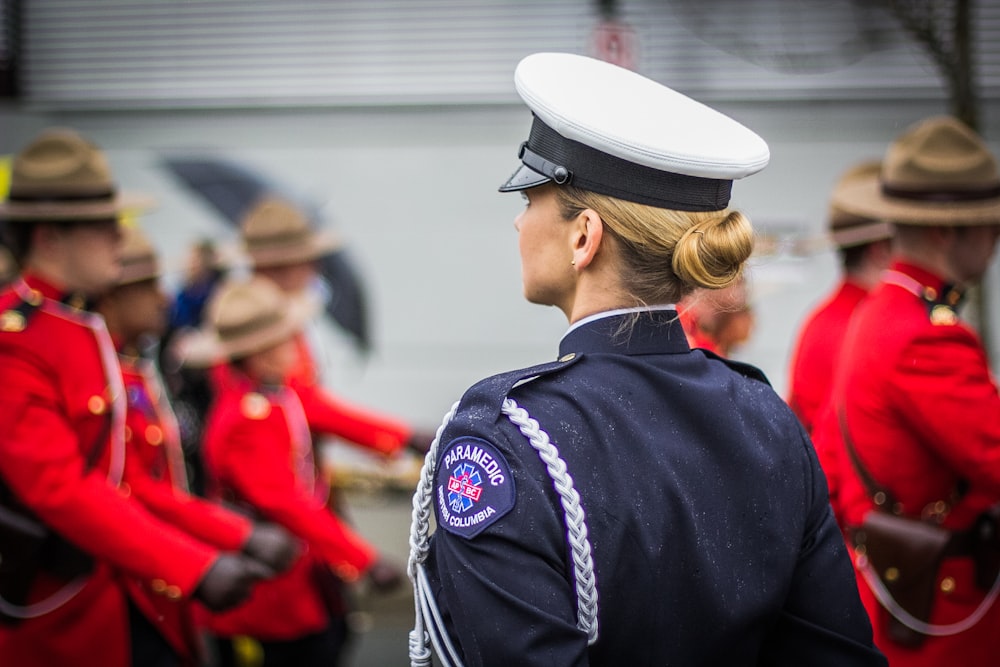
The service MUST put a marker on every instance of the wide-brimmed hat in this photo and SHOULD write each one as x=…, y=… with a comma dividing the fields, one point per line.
x=245, y=317
x=612, y=131
x=938, y=172
x=846, y=229
x=62, y=177
x=275, y=232
x=138, y=257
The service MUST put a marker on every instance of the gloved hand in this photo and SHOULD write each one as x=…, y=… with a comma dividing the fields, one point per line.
x=229, y=581
x=272, y=545
x=384, y=576
x=420, y=441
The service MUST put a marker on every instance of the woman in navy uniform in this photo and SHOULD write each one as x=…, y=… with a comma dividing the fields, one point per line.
x=634, y=502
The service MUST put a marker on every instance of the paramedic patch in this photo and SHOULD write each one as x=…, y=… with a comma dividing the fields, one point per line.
x=474, y=487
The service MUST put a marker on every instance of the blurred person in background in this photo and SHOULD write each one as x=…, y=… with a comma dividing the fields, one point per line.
x=720, y=321
x=135, y=311
x=912, y=437
x=76, y=542
x=863, y=245
x=259, y=456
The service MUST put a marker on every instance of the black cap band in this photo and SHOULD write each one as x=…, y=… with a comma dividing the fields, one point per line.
x=568, y=162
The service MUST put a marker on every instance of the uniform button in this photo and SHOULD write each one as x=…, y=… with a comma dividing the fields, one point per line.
x=124, y=490
x=947, y=585
x=12, y=322
x=34, y=297
x=97, y=405
x=568, y=357
x=173, y=592
x=891, y=574
x=158, y=585
x=154, y=435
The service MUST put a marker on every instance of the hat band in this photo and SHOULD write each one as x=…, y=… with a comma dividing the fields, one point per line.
x=298, y=236
x=228, y=333
x=19, y=196
x=570, y=162
x=943, y=196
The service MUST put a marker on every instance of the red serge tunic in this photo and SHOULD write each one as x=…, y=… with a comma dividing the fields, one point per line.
x=923, y=412
x=816, y=352
x=258, y=452
x=154, y=469
x=61, y=380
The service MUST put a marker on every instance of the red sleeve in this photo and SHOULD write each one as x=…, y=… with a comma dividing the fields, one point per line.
x=203, y=520
x=326, y=414
x=944, y=389
x=40, y=461
x=255, y=458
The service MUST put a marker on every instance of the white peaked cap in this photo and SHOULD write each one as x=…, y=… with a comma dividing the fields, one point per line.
x=604, y=128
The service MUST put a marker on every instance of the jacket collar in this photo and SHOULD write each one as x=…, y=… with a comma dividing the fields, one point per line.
x=637, y=332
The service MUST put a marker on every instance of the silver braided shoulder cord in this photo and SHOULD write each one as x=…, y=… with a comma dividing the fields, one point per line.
x=428, y=624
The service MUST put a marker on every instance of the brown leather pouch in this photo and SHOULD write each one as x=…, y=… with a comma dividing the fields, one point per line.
x=906, y=555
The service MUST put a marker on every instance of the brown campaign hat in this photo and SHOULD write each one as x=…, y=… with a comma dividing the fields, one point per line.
x=847, y=229
x=938, y=172
x=276, y=233
x=245, y=317
x=138, y=257
x=62, y=177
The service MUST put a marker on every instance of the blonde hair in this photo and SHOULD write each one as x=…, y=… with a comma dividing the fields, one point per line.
x=667, y=253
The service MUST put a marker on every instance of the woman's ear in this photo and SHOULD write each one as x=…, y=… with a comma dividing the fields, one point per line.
x=588, y=233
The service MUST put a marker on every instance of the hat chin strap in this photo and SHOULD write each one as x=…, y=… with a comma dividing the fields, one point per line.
x=428, y=624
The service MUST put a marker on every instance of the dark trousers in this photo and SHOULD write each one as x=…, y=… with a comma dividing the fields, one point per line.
x=149, y=648
x=323, y=649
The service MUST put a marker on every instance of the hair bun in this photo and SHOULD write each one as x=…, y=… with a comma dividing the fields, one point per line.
x=712, y=253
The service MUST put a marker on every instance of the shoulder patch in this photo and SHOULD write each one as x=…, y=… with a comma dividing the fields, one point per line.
x=255, y=406
x=473, y=485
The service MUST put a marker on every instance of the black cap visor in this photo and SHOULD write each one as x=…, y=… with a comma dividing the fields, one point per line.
x=525, y=177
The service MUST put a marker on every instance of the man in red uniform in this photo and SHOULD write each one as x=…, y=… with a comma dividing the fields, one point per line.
x=259, y=455
x=135, y=311
x=864, y=248
x=916, y=415
x=282, y=247
x=68, y=600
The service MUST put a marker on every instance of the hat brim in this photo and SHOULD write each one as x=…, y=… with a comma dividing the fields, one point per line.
x=525, y=177
x=320, y=245
x=65, y=211
x=203, y=348
x=864, y=197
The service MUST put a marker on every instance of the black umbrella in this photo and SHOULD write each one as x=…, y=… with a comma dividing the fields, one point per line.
x=231, y=189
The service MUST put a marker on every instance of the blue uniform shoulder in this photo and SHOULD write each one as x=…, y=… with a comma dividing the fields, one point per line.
x=489, y=394
x=746, y=370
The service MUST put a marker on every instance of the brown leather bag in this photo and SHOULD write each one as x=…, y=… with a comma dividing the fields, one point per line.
x=906, y=554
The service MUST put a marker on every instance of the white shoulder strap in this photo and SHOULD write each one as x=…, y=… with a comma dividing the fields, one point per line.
x=428, y=625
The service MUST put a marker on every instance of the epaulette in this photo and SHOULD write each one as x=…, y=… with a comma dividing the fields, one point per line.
x=15, y=318
x=492, y=391
x=744, y=369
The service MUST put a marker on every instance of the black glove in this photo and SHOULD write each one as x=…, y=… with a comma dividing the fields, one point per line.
x=384, y=576
x=229, y=581
x=420, y=441
x=272, y=545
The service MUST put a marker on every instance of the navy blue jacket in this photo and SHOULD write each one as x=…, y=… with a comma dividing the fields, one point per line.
x=712, y=535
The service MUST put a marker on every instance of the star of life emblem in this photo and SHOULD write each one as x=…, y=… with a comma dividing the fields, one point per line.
x=465, y=486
